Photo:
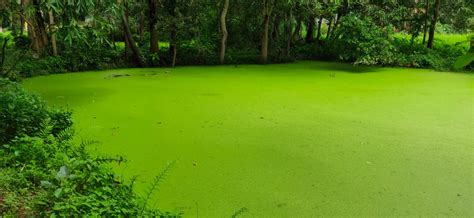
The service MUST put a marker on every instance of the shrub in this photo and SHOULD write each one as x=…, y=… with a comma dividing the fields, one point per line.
x=76, y=58
x=45, y=175
x=23, y=114
x=48, y=65
x=441, y=57
x=360, y=40
x=42, y=173
x=94, y=57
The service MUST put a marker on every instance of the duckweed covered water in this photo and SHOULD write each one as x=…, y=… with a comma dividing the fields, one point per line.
x=289, y=140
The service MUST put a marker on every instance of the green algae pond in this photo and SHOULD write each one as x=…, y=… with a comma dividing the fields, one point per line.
x=288, y=140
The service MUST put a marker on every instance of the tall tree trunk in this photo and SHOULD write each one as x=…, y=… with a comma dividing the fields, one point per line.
x=53, y=34
x=173, y=32
x=310, y=31
x=175, y=53
x=173, y=44
x=329, y=28
x=318, y=36
x=264, y=49
x=40, y=28
x=154, y=47
x=127, y=44
x=425, y=26
x=433, y=23
x=223, y=28
x=33, y=38
x=275, y=33
x=141, y=27
x=288, y=33
x=22, y=19
x=296, y=34
x=2, y=60
x=128, y=34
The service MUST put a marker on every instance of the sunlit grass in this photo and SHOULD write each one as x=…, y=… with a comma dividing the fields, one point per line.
x=449, y=39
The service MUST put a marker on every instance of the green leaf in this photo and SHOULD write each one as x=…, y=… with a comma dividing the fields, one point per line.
x=62, y=173
x=46, y=184
x=58, y=192
x=463, y=61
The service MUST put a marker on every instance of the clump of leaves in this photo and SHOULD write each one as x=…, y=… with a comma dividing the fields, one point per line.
x=23, y=113
x=360, y=40
x=43, y=173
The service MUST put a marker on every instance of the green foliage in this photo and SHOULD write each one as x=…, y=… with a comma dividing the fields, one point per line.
x=441, y=57
x=42, y=173
x=464, y=61
x=62, y=179
x=23, y=114
x=358, y=39
x=78, y=57
x=362, y=33
x=48, y=65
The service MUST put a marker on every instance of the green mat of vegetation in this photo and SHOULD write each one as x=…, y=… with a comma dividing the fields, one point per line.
x=309, y=138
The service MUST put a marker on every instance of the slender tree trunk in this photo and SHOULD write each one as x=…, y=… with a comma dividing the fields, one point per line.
x=2, y=60
x=128, y=34
x=141, y=27
x=433, y=23
x=288, y=33
x=22, y=20
x=275, y=33
x=318, y=36
x=173, y=32
x=425, y=26
x=223, y=28
x=34, y=39
x=296, y=34
x=310, y=31
x=175, y=53
x=53, y=34
x=264, y=49
x=329, y=28
x=173, y=44
x=125, y=40
x=154, y=47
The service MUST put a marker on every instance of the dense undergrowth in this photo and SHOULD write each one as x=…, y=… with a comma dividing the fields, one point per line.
x=43, y=173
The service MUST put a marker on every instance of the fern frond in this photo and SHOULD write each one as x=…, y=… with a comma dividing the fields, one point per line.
x=45, y=129
x=66, y=134
x=156, y=182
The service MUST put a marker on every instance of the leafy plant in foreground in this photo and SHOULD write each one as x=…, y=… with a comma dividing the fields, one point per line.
x=43, y=173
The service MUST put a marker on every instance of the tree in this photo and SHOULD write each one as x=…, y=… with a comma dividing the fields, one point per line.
x=225, y=34
x=425, y=26
x=152, y=21
x=266, y=13
x=137, y=57
x=433, y=23
x=310, y=30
